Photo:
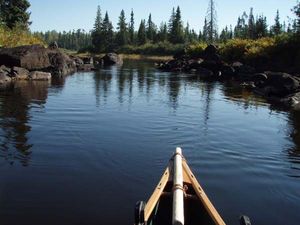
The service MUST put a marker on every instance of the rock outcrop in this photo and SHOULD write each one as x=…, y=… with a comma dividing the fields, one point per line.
x=38, y=58
x=282, y=87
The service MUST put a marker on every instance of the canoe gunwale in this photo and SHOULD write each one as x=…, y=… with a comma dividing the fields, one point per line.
x=188, y=177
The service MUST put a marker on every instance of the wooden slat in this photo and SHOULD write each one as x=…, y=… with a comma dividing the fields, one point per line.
x=202, y=196
x=157, y=193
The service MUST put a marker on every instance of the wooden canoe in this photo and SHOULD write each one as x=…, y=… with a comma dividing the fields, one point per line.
x=198, y=209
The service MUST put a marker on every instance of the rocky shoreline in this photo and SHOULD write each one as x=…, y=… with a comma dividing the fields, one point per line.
x=276, y=87
x=35, y=62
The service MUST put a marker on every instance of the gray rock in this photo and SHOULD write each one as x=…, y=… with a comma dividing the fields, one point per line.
x=20, y=73
x=237, y=64
x=112, y=59
x=4, y=79
x=61, y=64
x=38, y=75
x=4, y=69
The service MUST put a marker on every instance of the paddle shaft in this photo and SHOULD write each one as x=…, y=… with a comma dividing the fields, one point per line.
x=178, y=208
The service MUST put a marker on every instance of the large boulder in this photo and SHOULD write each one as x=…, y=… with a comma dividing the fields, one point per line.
x=37, y=57
x=112, y=59
x=61, y=64
x=38, y=75
x=281, y=84
x=33, y=57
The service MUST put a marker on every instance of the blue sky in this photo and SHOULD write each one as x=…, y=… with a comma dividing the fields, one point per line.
x=74, y=14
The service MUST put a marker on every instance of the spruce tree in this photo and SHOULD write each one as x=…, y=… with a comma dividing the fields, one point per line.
x=97, y=35
x=163, y=32
x=122, y=35
x=241, y=29
x=261, y=27
x=150, y=29
x=205, y=31
x=176, y=32
x=14, y=13
x=276, y=29
x=187, y=33
x=142, y=36
x=296, y=10
x=108, y=34
x=131, y=28
x=251, y=25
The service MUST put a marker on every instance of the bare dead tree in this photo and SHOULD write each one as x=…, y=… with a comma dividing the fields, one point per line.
x=211, y=17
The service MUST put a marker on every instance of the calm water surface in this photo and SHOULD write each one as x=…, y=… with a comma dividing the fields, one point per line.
x=83, y=150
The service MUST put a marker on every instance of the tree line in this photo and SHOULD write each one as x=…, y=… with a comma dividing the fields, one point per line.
x=104, y=37
x=72, y=40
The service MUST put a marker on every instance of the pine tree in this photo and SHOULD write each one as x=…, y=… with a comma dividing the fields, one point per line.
x=108, y=34
x=251, y=25
x=296, y=10
x=14, y=13
x=187, y=33
x=171, y=23
x=225, y=35
x=163, y=32
x=142, y=36
x=97, y=35
x=276, y=29
x=211, y=17
x=131, y=28
x=261, y=27
x=205, y=31
x=176, y=32
x=122, y=35
x=150, y=29
x=241, y=29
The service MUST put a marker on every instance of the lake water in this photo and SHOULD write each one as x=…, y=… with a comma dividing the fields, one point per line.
x=84, y=149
